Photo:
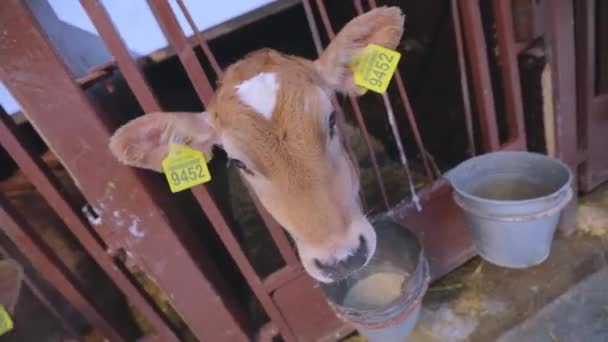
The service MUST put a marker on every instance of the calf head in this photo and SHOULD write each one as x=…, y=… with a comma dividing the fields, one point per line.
x=273, y=116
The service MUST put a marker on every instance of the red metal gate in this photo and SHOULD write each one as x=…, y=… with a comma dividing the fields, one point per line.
x=78, y=128
x=592, y=86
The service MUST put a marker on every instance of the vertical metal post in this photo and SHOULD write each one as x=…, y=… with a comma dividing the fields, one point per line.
x=480, y=70
x=559, y=23
x=54, y=104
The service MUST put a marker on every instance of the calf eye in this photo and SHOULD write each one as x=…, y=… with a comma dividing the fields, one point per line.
x=332, y=124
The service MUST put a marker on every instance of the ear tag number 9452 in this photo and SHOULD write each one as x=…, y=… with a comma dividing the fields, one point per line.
x=185, y=167
x=374, y=67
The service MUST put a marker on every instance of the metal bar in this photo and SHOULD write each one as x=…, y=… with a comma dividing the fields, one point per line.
x=409, y=112
x=480, y=70
x=9, y=250
x=359, y=6
x=561, y=54
x=42, y=178
x=18, y=230
x=199, y=80
x=117, y=47
x=585, y=73
x=78, y=134
x=509, y=66
x=175, y=35
x=441, y=228
x=359, y=117
x=462, y=70
x=282, y=277
x=231, y=243
x=601, y=20
x=312, y=24
x=201, y=41
x=276, y=231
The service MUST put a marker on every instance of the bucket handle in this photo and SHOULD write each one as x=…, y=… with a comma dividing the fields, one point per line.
x=517, y=218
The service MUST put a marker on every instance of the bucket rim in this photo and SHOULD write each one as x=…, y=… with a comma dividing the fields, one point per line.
x=411, y=301
x=557, y=193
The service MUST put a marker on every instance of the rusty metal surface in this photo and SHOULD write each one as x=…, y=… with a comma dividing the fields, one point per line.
x=310, y=320
x=559, y=20
x=231, y=243
x=592, y=103
x=297, y=309
x=18, y=230
x=462, y=70
x=480, y=73
x=441, y=227
x=42, y=178
x=509, y=67
x=55, y=105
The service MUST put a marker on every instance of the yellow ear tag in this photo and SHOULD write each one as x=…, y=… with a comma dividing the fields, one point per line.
x=185, y=167
x=6, y=323
x=374, y=67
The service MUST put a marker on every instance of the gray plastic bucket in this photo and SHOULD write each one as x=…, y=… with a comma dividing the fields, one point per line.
x=512, y=202
x=398, y=252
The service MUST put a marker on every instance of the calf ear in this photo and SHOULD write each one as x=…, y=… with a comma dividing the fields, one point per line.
x=382, y=26
x=144, y=142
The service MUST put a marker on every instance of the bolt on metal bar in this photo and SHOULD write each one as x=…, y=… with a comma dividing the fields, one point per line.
x=358, y=115
x=276, y=231
x=464, y=85
x=18, y=230
x=176, y=37
x=480, y=71
x=509, y=67
x=48, y=186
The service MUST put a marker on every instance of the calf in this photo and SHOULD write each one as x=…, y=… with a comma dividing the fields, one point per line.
x=273, y=116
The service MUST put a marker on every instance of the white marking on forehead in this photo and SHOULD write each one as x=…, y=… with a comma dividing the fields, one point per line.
x=260, y=93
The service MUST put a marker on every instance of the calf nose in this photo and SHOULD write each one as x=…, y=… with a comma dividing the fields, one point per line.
x=343, y=268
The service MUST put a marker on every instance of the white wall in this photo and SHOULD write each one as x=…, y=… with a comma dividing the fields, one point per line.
x=76, y=39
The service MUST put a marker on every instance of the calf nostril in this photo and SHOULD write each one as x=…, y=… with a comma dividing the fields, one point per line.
x=341, y=269
x=362, y=241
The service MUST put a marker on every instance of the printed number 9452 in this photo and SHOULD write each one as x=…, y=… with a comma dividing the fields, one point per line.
x=191, y=173
x=379, y=69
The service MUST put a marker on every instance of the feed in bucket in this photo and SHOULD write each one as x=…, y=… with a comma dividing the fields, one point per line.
x=375, y=291
x=383, y=299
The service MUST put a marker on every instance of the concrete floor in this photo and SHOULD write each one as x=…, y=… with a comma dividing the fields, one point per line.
x=580, y=314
